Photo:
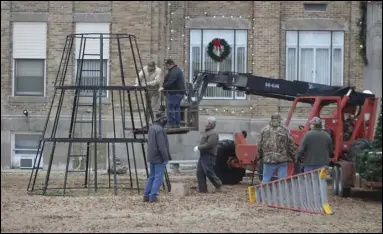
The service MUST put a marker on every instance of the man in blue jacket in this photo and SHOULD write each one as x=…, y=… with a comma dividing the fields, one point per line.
x=175, y=88
x=158, y=156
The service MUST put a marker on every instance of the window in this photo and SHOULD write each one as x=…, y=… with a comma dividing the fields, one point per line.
x=315, y=7
x=25, y=147
x=90, y=64
x=315, y=56
x=29, y=77
x=91, y=75
x=29, y=55
x=236, y=62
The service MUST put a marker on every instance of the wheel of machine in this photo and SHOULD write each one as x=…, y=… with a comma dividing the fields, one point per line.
x=228, y=175
x=342, y=191
x=335, y=180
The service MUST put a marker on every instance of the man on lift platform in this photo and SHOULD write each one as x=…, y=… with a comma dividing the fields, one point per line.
x=154, y=78
x=175, y=89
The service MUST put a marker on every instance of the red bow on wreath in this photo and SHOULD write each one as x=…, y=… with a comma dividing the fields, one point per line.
x=217, y=44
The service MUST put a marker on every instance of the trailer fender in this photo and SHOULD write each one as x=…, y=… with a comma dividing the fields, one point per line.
x=348, y=173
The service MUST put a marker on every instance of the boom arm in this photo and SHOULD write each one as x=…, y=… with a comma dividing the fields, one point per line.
x=269, y=87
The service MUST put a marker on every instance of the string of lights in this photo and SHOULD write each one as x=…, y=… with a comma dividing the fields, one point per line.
x=252, y=37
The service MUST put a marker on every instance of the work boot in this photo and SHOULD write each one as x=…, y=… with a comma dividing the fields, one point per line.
x=202, y=189
x=218, y=189
x=146, y=198
x=154, y=200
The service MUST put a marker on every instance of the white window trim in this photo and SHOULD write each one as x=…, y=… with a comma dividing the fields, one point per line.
x=14, y=77
x=342, y=65
x=234, y=64
x=13, y=141
x=315, y=47
x=191, y=74
x=236, y=67
x=107, y=75
x=286, y=59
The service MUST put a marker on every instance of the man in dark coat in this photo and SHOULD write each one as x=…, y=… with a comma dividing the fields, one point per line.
x=158, y=156
x=175, y=89
x=315, y=147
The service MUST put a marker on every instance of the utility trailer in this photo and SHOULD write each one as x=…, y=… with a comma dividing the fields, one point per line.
x=235, y=157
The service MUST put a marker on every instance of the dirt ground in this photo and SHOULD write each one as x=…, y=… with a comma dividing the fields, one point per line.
x=228, y=211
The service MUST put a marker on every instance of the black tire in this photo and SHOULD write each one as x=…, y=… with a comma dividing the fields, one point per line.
x=335, y=179
x=342, y=191
x=227, y=175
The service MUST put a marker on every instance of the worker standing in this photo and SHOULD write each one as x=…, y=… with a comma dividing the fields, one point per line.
x=175, y=89
x=315, y=147
x=158, y=156
x=154, y=78
x=208, y=151
x=276, y=149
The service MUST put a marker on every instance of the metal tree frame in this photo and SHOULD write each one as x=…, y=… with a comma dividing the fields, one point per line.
x=124, y=92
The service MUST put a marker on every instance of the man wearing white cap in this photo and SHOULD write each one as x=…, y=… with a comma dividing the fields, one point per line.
x=315, y=147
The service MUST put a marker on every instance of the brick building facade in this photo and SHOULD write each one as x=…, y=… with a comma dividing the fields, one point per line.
x=306, y=40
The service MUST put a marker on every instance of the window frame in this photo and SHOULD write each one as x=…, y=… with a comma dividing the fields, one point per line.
x=13, y=149
x=312, y=4
x=202, y=59
x=298, y=48
x=41, y=53
x=28, y=94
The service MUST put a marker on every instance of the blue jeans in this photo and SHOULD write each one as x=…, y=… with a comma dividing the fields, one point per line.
x=174, y=109
x=270, y=168
x=155, y=180
x=312, y=168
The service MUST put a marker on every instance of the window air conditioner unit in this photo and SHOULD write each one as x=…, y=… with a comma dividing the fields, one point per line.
x=27, y=161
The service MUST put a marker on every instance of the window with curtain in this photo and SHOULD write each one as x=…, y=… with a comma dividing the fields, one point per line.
x=315, y=56
x=236, y=62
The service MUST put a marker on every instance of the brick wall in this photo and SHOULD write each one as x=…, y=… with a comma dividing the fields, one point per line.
x=161, y=31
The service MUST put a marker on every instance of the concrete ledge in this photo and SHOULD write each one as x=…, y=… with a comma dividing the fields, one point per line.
x=314, y=24
x=218, y=23
x=28, y=99
x=29, y=17
x=92, y=17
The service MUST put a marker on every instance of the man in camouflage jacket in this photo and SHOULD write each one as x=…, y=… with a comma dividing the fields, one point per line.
x=276, y=149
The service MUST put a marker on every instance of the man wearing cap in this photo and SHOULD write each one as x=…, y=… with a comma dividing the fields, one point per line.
x=208, y=151
x=158, y=156
x=315, y=147
x=175, y=88
x=276, y=149
x=154, y=77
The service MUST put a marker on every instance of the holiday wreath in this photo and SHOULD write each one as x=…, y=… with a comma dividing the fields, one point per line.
x=218, y=49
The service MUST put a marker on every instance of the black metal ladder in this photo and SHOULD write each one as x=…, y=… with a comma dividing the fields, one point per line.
x=74, y=121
